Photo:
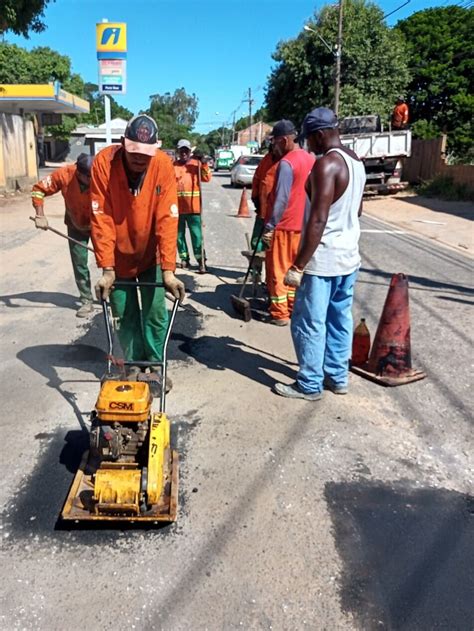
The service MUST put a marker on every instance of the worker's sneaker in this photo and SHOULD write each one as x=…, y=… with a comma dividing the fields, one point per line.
x=202, y=268
x=85, y=310
x=293, y=392
x=334, y=387
x=183, y=265
x=278, y=322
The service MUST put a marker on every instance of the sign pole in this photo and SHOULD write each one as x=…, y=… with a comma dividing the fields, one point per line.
x=108, y=126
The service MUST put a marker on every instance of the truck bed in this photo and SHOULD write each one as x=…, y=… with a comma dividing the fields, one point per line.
x=387, y=144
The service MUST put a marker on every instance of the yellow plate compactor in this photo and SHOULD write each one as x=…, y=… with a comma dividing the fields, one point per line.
x=130, y=473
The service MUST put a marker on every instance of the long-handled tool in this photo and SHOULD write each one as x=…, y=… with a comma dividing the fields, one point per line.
x=240, y=304
x=65, y=236
x=130, y=472
x=203, y=250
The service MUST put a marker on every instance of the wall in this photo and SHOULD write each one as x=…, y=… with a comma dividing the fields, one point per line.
x=18, y=164
x=428, y=159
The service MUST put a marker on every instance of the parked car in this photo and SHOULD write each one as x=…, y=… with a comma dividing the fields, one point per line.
x=244, y=169
x=224, y=159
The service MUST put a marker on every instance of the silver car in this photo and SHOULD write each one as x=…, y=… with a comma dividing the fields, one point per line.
x=243, y=170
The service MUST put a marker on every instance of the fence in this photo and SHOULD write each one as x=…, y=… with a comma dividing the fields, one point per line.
x=18, y=168
x=428, y=160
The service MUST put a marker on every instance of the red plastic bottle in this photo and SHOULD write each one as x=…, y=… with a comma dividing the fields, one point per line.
x=360, y=344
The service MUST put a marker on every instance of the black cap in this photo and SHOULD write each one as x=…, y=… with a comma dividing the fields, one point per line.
x=319, y=118
x=84, y=163
x=141, y=135
x=283, y=128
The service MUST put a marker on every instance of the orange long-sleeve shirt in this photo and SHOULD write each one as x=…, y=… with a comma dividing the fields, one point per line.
x=77, y=200
x=133, y=232
x=187, y=180
x=262, y=182
x=400, y=116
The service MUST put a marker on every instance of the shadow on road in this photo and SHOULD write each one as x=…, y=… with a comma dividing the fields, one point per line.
x=41, y=300
x=456, y=208
x=430, y=284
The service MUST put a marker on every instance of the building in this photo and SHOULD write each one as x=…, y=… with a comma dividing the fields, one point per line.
x=258, y=132
x=24, y=109
x=91, y=139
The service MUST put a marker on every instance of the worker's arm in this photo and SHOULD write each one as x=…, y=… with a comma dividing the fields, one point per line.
x=103, y=231
x=166, y=220
x=323, y=180
x=405, y=115
x=359, y=213
x=49, y=185
x=206, y=174
x=284, y=182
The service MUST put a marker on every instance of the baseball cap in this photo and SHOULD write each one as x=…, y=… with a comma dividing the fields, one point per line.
x=183, y=144
x=283, y=128
x=141, y=135
x=84, y=163
x=319, y=118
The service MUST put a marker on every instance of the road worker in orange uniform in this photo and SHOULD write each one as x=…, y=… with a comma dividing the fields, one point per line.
x=73, y=182
x=190, y=172
x=262, y=184
x=284, y=218
x=134, y=230
x=400, y=114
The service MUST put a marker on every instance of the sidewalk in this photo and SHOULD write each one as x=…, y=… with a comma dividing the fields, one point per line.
x=449, y=223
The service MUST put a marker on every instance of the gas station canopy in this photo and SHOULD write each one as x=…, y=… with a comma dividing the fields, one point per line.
x=49, y=97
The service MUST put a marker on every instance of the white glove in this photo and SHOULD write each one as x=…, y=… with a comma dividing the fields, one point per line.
x=104, y=286
x=293, y=277
x=267, y=238
x=173, y=285
x=41, y=222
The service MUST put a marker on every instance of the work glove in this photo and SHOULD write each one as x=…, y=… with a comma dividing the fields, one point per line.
x=41, y=222
x=293, y=277
x=104, y=285
x=267, y=238
x=173, y=285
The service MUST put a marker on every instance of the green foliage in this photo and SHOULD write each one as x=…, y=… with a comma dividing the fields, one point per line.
x=444, y=187
x=373, y=66
x=22, y=16
x=40, y=65
x=96, y=115
x=175, y=114
x=441, y=62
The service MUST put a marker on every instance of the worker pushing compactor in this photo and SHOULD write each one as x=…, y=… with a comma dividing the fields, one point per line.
x=73, y=182
x=134, y=232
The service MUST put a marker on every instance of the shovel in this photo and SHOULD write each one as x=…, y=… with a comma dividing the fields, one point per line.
x=65, y=236
x=240, y=304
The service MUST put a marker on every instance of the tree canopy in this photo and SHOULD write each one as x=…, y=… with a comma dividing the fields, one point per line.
x=175, y=115
x=440, y=54
x=373, y=65
x=22, y=16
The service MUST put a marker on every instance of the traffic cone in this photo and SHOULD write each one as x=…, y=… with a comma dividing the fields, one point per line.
x=243, y=206
x=389, y=363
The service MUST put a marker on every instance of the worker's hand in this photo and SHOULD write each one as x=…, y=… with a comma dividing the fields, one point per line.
x=41, y=222
x=173, y=285
x=293, y=277
x=104, y=285
x=267, y=237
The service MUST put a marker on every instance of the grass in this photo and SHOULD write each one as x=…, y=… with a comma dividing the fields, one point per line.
x=444, y=187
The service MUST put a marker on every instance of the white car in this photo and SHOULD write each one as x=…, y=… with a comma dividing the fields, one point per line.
x=243, y=170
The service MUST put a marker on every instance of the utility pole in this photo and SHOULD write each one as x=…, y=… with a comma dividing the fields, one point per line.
x=337, y=80
x=250, y=114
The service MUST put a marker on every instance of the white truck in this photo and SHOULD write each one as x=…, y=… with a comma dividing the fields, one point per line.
x=381, y=151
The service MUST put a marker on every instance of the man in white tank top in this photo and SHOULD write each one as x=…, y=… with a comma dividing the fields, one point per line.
x=325, y=268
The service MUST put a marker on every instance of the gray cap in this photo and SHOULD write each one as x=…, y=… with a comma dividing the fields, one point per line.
x=183, y=143
x=84, y=163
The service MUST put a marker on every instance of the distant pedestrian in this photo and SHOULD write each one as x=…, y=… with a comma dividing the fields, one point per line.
x=325, y=268
x=284, y=218
x=400, y=114
x=73, y=182
x=190, y=171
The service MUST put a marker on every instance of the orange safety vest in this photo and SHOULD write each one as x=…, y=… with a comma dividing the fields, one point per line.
x=187, y=181
x=262, y=182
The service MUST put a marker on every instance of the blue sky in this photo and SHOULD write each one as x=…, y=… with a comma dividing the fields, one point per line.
x=214, y=48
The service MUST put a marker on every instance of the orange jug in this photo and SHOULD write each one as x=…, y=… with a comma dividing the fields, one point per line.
x=360, y=344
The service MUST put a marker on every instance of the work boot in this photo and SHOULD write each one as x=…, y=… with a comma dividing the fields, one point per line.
x=202, y=267
x=334, y=387
x=84, y=310
x=292, y=391
x=183, y=265
x=278, y=322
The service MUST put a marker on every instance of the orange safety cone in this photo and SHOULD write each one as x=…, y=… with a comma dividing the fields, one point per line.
x=243, y=206
x=360, y=344
x=389, y=363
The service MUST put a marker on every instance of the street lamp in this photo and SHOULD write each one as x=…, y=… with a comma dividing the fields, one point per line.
x=337, y=56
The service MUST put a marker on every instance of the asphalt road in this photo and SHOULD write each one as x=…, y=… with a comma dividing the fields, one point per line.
x=355, y=512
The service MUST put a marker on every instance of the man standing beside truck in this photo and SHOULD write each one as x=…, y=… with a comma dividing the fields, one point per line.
x=400, y=114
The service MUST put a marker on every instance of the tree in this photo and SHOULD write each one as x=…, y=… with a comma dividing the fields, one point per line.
x=175, y=115
x=373, y=65
x=96, y=115
x=39, y=65
x=441, y=62
x=21, y=16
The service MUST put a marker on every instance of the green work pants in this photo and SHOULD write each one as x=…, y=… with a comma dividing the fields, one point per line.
x=79, y=264
x=141, y=331
x=195, y=229
x=257, y=232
